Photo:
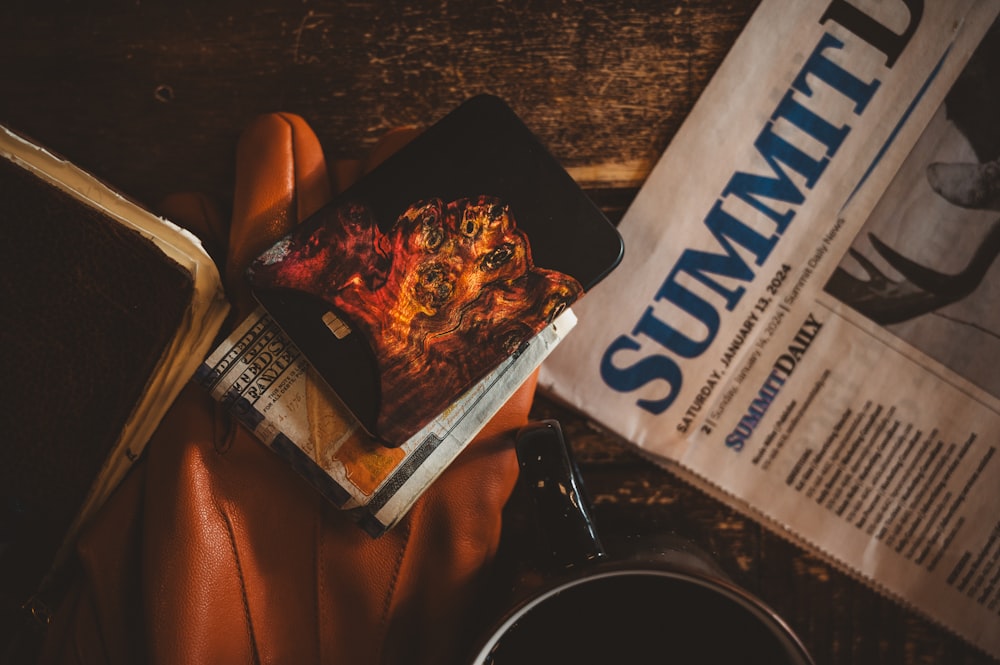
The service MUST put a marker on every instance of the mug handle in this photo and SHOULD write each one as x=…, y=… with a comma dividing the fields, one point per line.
x=550, y=476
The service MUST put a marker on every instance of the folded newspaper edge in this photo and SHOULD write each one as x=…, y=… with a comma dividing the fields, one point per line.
x=266, y=382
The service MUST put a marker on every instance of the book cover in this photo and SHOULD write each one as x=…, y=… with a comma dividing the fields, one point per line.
x=108, y=311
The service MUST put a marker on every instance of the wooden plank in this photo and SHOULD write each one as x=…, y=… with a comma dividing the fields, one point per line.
x=164, y=91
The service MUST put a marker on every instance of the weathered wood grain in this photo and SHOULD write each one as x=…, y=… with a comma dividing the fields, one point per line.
x=164, y=88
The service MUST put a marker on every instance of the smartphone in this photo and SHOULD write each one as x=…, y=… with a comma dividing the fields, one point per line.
x=413, y=284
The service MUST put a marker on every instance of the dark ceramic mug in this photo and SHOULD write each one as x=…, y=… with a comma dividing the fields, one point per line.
x=669, y=603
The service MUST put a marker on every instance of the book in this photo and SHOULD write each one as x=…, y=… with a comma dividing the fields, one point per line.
x=805, y=316
x=109, y=309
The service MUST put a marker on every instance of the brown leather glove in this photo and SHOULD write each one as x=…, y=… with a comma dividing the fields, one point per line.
x=214, y=551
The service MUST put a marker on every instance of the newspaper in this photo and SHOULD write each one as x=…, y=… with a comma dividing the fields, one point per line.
x=270, y=387
x=805, y=323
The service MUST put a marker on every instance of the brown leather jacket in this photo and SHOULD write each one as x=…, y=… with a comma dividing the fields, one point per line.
x=214, y=551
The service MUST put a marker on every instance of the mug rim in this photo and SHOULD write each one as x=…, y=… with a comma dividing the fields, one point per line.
x=768, y=618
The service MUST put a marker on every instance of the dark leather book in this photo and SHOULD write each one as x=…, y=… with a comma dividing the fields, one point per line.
x=107, y=310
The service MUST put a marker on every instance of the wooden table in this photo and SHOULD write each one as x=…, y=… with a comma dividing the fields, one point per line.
x=150, y=95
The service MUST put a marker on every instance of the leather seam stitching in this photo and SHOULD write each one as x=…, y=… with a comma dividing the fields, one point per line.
x=251, y=636
x=393, y=584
